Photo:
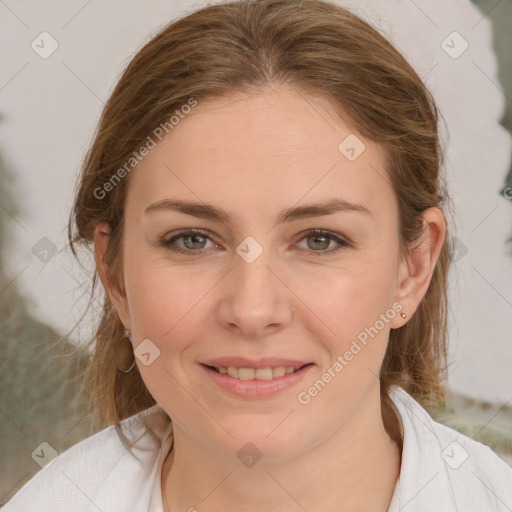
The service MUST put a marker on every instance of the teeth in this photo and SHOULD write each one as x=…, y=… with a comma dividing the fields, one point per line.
x=255, y=373
x=279, y=371
x=264, y=374
x=246, y=373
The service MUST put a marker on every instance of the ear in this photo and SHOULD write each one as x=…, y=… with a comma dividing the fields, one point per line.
x=102, y=235
x=417, y=267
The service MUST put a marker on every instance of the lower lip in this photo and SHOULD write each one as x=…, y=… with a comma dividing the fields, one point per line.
x=256, y=388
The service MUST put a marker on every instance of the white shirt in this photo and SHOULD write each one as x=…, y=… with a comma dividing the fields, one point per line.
x=441, y=471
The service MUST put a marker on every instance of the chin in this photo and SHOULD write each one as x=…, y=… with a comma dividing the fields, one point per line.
x=259, y=441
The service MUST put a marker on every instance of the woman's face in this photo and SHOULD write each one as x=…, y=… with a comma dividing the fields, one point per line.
x=257, y=291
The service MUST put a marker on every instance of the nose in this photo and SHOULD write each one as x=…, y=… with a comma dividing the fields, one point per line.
x=255, y=300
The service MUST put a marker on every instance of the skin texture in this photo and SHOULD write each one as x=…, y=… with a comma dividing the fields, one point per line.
x=253, y=156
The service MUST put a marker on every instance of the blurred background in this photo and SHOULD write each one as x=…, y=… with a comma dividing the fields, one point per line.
x=61, y=61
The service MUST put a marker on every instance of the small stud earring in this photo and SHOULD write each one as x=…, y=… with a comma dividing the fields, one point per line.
x=403, y=315
x=128, y=334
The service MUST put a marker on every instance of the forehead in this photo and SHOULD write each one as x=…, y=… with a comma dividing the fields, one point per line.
x=261, y=153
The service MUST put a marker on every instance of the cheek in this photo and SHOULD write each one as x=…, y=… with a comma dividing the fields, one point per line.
x=162, y=297
x=346, y=300
x=170, y=306
x=166, y=308
x=352, y=317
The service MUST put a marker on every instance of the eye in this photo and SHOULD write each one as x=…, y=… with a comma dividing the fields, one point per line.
x=321, y=239
x=194, y=240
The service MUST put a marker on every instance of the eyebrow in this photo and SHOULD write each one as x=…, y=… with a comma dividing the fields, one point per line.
x=207, y=211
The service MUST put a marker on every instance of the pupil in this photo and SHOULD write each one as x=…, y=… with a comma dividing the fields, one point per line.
x=194, y=238
x=321, y=237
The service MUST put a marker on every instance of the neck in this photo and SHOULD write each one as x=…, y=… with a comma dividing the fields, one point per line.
x=357, y=466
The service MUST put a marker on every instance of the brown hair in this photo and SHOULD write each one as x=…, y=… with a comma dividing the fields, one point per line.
x=320, y=49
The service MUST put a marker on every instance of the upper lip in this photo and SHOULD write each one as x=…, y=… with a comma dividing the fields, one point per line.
x=242, y=362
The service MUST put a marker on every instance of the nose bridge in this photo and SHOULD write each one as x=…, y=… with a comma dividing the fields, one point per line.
x=257, y=299
x=254, y=282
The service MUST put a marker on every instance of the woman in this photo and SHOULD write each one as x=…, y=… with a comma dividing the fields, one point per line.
x=269, y=223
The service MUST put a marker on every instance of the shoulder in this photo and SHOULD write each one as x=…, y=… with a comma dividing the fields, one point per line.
x=458, y=472
x=78, y=478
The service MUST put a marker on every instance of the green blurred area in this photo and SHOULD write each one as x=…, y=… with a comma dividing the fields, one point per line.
x=499, y=12
x=40, y=393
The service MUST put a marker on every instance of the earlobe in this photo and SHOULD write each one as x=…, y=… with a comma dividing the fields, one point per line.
x=418, y=265
x=102, y=236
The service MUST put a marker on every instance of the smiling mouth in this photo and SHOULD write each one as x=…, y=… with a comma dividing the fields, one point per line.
x=243, y=373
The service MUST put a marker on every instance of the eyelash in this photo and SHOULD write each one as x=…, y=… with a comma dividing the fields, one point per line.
x=197, y=232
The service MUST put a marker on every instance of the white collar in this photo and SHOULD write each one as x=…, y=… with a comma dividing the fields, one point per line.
x=441, y=469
